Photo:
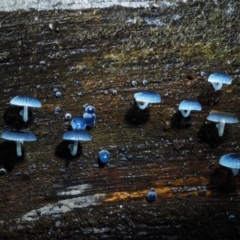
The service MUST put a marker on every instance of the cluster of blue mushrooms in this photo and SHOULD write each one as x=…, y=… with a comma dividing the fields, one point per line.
x=143, y=99
x=231, y=160
x=22, y=136
x=90, y=116
x=78, y=132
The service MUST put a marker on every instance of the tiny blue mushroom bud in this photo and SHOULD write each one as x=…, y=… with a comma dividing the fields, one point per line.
x=134, y=83
x=2, y=171
x=145, y=82
x=151, y=196
x=55, y=90
x=104, y=156
x=146, y=97
x=114, y=92
x=203, y=74
x=90, y=119
x=90, y=109
x=186, y=106
x=218, y=79
x=221, y=118
x=57, y=110
x=231, y=218
x=58, y=94
x=68, y=116
x=78, y=123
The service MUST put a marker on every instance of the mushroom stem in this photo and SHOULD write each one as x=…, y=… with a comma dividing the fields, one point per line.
x=185, y=113
x=217, y=85
x=73, y=148
x=19, y=148
x=220, y=127
x=235, y=171
x=24, y=113
x=142, y=106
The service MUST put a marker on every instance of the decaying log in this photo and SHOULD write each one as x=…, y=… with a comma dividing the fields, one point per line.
x=92, y=57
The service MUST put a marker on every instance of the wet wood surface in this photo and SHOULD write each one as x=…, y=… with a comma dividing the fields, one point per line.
x=92, y=57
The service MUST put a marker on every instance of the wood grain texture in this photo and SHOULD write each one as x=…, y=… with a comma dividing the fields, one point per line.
x=88, y=54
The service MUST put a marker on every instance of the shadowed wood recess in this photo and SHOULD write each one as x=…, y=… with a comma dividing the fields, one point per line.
x=92, y=57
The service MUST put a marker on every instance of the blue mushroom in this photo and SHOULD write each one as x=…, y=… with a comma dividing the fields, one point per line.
x=90, y=109
x=75, y=136
x=232, y=161
x=151, y=196
x=231, y=218
x=25, y=102
x=90, y=119
x=218, y=79
x=104, y=156
x=78, y=123
x=146, y=97
x=187, y=106
x=19, y=137
x=221, y=118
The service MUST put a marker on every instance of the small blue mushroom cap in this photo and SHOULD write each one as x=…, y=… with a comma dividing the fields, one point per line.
x=218, y=79
x=13, y=135
x=146, y=97
x=217, y=116
x=78, y=123
x=221, y=118
x=90, y=119
x=231, y=160
x=151, y=196
x=77, y=135
x=90, y=109
x=19, y=137
x=104, y=156
x=26, y=101
x=187, y=106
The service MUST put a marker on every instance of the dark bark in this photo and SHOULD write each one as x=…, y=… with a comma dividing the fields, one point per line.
x=87, y=55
